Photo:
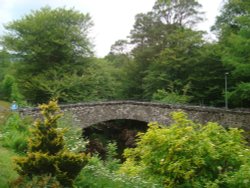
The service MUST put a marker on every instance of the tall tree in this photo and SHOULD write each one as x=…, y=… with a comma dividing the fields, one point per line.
x=175, y=64
x=45, y=41
x=120, y=60
x=164, y=41
x=232, y=27
x=49, y=37
x=207, y=77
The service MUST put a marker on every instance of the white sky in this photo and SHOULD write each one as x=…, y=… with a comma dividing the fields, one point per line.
x=113, y=19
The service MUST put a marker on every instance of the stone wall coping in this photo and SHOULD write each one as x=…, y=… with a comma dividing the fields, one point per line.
x=151, y=104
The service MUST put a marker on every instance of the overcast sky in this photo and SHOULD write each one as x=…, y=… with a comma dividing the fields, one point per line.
x=113, y=19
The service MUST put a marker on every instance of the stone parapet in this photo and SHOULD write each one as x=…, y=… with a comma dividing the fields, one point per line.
x=87, y=114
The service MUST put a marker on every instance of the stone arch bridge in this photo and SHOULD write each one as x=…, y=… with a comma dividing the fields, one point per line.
x=87, y=114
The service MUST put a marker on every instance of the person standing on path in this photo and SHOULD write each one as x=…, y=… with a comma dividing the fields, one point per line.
x=14, y=106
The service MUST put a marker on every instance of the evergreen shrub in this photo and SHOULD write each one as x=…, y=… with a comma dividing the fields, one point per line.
x=47, y=154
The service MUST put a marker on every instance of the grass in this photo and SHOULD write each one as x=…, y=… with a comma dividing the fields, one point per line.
x=4, y=111
x=4, y=104
x=7, y=172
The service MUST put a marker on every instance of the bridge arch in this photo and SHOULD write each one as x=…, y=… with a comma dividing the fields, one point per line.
x=92, y=113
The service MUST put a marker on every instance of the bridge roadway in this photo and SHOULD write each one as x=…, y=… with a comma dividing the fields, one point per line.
x=87, y=114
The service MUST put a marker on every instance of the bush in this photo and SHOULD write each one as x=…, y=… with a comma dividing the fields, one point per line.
x=187, y=154
x=36, y=182
x=15, y=133
x=99, y=174
x=47, y=154
x=73, y=138
x=170, y=97
x=10, y=90
x=7, y=172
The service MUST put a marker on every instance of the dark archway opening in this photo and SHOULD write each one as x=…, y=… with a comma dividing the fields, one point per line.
x=123, y=132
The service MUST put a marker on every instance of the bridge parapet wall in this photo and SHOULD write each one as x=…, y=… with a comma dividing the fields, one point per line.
x=87, y=114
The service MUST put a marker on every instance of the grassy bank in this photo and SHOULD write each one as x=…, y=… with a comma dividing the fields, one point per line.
x=4, y=104
x=7, y=172
x=4, y=111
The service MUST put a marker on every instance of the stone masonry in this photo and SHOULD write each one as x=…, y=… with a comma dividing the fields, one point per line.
x=87, y=114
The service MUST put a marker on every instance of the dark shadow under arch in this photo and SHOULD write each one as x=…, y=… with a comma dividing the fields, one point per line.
x=121, y=131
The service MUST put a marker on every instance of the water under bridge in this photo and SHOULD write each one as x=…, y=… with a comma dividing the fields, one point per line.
x=87, y=114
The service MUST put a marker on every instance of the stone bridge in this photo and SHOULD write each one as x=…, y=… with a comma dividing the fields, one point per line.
x=87, y=114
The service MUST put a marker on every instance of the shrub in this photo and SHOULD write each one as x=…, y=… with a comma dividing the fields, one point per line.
x=98, y=173
x=73, y=138
x=170, y=97
x=187, y=154
x=15, y=133
x=10, y=90
x=7, y=172
x=47, y=154
x=36, y=182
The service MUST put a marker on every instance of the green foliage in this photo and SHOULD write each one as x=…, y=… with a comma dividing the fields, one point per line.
x=16, y=95
x=49, y=37
x=52, y=47
x=47, y=154
x=184, y=13
x=73, y=138
x=7, y=172
x=10, y=90
x=15, y=133
x=93, y=81
x=172, y=97
x=36, y=181
x=240, y=178
x=175, y=62
x=232, y=27
x=187, y=154
x=4, y=63
x=240, y=95
x=98, y=174
x=207, y=77
x=111, y=162
x=166, y=49
x=7, y=86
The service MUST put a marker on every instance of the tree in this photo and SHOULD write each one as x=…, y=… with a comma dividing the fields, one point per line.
x=184, y=13
x=9, y=89
x=120, y=60
x=49, y=37
x=234, y=15
x=95, y=82
x=8, y=84
x=164, y=43
x=175, y=63
x=207, y=76
x=232, y=27
x=119, y=47
x=172, y=97
x=47, y=154
x=46, y=40
x=4, y=63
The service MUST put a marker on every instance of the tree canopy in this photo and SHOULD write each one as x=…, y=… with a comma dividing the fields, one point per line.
x=232, y=27
x=55, y=57
x=50, y=37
